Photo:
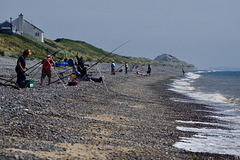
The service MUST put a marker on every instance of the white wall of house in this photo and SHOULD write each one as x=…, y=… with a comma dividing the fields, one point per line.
x=42, y=37
x=32, y=30
x=25, y=27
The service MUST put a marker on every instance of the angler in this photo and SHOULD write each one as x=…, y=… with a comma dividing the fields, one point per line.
x=46, y=69
x=21, y=67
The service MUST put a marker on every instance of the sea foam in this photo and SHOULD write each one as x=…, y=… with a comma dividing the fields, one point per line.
x=211, y=139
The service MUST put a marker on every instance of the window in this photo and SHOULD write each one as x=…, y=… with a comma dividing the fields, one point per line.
x=37, y=34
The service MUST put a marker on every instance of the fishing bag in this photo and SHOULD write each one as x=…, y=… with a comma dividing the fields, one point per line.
x=72, y=83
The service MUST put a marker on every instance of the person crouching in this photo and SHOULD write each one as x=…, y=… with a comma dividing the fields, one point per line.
x=46, y=69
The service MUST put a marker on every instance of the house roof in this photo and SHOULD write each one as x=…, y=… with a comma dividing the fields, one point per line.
x=29, y=23
x=33, y=26
x=6, y=25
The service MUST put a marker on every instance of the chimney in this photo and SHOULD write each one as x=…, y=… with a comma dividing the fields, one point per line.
x=11, y=24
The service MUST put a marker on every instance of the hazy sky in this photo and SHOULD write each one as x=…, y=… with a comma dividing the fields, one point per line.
x=205, y=33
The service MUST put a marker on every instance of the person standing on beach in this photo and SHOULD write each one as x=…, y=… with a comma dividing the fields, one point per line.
x=46, y=69
x=80, y=65
x=112, y=68
x=21, y=67
x=149, y=70
x=183, y=72
x=126, y=68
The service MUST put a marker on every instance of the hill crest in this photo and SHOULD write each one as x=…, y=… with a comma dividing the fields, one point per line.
x=169, y=60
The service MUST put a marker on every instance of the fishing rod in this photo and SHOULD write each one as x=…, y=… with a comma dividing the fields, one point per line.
x=15, y=85
x=7, y=80
x=119, y=67
x=108, y=54
x=60, y=78
x=102, y=79
x=98, y=60
x=37, y=64
x=34, y=65
x=67, y=69
x=33, y=75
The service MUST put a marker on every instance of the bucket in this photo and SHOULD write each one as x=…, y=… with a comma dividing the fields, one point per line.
x=28, y=83
x=73, y=76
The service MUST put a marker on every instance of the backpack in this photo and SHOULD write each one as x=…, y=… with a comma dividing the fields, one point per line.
x=72, y=83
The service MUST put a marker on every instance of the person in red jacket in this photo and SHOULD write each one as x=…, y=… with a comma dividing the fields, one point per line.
x=46, y=69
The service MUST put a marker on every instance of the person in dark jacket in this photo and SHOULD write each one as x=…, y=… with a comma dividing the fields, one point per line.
x=21, y=67
x=80, y=65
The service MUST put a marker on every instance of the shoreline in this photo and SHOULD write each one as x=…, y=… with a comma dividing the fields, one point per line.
x=136, y=119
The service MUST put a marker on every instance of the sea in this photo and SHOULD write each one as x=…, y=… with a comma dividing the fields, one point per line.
x=218, y=90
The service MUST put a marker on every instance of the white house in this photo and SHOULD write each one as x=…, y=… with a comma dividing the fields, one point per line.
x=23, y=26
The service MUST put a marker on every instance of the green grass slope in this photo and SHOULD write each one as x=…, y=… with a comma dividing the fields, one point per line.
x=62, y=48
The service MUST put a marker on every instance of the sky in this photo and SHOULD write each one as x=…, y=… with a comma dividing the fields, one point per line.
x=205, y=33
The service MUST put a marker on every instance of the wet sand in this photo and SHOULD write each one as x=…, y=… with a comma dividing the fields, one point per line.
x=130, y=117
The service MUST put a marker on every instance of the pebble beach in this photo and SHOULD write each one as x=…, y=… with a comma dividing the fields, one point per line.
x=128, y=116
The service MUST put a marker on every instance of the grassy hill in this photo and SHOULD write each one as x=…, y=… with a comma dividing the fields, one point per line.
x=62, y=48
x=169, y=60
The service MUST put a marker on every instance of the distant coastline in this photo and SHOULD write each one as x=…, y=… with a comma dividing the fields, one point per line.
x=225, y=68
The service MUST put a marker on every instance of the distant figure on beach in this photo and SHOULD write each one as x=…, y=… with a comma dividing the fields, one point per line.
x=138, y=73
x=21, y=67
x=46, y=69
x=80, y=64
x=149, y=70
x=126, y=68
x=112, y=68
x=183, y=72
